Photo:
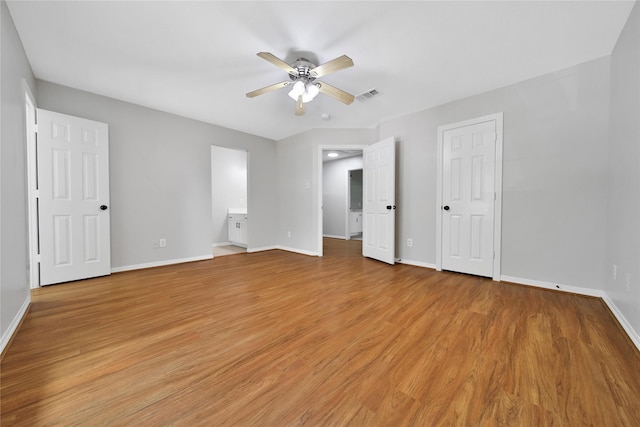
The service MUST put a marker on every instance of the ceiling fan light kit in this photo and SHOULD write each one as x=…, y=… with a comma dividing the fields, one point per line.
x=303, y=75
x=307, y=90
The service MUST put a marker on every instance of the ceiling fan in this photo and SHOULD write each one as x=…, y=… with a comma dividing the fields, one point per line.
x=302, y=80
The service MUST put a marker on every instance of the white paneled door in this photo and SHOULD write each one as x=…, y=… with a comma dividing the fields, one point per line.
x=379, y=185
x=73, y=204
x=468, y=198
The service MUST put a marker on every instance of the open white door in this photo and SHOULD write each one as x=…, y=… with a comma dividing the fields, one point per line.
x=73, y=184
x=379, y=201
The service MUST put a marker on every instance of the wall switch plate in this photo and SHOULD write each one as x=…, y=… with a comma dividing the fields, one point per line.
x=163, y=243
x=627, y=281
x=409, y=242
x=288, y=234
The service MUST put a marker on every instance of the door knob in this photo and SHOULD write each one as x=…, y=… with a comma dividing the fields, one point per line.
x=446, y=208
x=103, y=207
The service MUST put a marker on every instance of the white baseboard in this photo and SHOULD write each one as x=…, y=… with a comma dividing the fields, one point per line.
x=556, y=286
x=6, y=337
x=416, y=263
x=628, y=328
x=331, y=236
x=282, y=248
x=160, y=263
x=264, y=248
x=215, y=245
x=298, y=251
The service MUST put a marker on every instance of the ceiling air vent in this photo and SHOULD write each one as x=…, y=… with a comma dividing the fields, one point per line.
x=364, y=96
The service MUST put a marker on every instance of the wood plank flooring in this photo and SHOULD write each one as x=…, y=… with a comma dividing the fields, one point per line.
x=278, y=339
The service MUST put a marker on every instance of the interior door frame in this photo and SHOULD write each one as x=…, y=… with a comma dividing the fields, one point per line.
x=319, y=178
x=32, y=187
x=497, y=212
x=348, y=203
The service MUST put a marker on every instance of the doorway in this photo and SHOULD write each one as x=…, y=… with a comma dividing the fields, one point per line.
x=229, y=207
x=333, y=189
x=338, y=176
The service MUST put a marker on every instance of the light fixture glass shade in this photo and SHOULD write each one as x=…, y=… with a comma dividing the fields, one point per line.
x=311, y=92
x=307, y=90
x=297, y=90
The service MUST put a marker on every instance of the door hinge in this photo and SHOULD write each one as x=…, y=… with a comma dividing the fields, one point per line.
x=36, y=194
x=495, y=196
x=37, y=258
x=35, y=128
x=494, y=254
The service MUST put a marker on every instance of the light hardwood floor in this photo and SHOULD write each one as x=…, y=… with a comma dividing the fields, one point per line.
x=228, y=250
x=277, y=339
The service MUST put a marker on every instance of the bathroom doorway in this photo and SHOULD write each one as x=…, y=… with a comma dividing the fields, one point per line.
x=229, y=210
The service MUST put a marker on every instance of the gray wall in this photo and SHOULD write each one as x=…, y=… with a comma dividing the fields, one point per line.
x=334, y=194
x=160, y=177
x=15, y=75
x=298, y=182
x=554, y=174
x=623, y=220
x=228, y=188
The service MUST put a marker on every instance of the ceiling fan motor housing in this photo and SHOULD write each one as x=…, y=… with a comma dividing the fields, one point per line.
x=303, y=66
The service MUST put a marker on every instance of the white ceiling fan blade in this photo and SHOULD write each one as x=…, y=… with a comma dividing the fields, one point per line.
x=267, y=89
x=278, y=62
x=334, y=65
x=299, y=106
x=335, y=93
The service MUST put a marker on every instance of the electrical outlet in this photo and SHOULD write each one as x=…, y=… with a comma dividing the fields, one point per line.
x=288, y=234
x=627, y=280
x=155, y=244
x=614, y=271
x=409, y=242
x=163, y=243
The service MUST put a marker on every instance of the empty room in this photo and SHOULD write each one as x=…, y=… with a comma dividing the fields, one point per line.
x=365, y=213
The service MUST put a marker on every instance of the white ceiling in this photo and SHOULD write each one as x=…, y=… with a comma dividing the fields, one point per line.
x=198, y=59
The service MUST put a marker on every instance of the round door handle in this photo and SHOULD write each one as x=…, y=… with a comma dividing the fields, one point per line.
x=103, y=207
x=446, y=208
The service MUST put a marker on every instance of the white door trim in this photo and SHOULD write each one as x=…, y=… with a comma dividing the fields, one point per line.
x=319, y=151
x=32, y=187
x=347, y=203
x=497, y=233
